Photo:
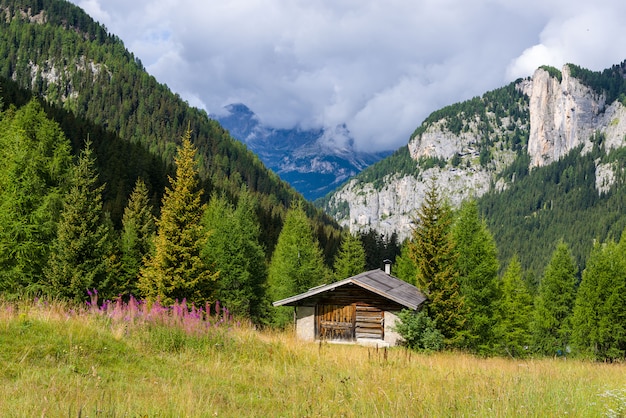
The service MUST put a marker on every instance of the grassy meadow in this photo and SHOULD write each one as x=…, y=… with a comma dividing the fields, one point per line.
x=58, y=360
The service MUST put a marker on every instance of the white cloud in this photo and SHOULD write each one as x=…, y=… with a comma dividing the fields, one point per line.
x=379, y=67
x=92, y=7
x=594, y=37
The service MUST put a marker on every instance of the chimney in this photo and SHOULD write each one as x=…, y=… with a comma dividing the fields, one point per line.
x=387, y=266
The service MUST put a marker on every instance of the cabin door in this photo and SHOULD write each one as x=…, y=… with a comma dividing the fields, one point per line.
x=335, y=322
x=370, y=322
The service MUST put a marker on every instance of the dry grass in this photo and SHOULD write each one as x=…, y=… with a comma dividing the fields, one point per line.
x=53, y=363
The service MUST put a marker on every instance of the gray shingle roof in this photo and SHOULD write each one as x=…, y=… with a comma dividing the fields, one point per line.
x=376, y=281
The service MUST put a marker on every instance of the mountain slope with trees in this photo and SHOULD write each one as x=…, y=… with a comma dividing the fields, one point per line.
x=99, y=90
x=490, y=148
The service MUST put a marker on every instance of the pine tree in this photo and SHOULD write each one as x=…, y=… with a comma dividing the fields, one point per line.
x=234, y=250
x=478, y=266
x=404, y=268
x=297, y=263
x=254, y=256
x=350, y=259
x=375, y=248
x=136, y=241
x=433, y=251
x=554, y=303
x=176, y=270
x=514, y=312
x=35, y=161
x=79, y=258
x=599, y=318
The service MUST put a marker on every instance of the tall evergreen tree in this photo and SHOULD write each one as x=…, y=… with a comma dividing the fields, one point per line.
x=350, y=259
x=79, y=258
x=477, y=263
x=374, y=246
x=136, y=241
x=176, y=270
x=234, y=250
x=35, y=161
x=297, y=263
x=599, y=318
x=514, y=312
x=433, y=251
x=404, y=268
x=378, y=248
x=554, y=303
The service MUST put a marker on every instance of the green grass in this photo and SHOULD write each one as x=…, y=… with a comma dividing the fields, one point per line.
x=53, y=363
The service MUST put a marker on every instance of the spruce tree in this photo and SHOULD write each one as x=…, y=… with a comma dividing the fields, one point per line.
x=477, y=263
x=254, y=256
x=599, y=318
x=35, y=161
x=433, y=251
x=350, y=259
x=176, y=270
x=514, y=313
x=297, y=263
x=136, y=242
x=554, y=303
x=404, y=268
x=234, y=250
x=79, y=258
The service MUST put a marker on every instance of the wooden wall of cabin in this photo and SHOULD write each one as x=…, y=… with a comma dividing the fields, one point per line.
x=350, y=312
x=350, y=294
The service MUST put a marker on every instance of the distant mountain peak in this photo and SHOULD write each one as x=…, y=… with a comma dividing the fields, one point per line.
x=240, y=109
x=313, y=161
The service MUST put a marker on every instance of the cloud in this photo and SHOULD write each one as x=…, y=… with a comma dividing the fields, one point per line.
x=92, y=7
x=379, y=67
x=593, y=38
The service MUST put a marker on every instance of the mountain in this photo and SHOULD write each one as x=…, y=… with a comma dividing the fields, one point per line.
x=98, y=90
x=544, y=157
x=314, y=161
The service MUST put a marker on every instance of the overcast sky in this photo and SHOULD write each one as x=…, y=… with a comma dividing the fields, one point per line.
x=380, y=67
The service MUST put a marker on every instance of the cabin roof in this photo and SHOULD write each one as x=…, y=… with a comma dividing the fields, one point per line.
x=376, y=281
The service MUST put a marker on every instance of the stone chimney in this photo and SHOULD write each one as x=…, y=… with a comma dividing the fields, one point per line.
x=387, y=266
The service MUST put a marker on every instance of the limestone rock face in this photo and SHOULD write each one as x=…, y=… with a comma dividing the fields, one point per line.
x=566, y=114
x=392, y=209
x=605, y=177
x=438, y=142
x=563, y=115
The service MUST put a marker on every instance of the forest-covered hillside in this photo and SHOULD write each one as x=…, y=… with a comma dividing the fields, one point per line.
x=97, y=89
x=557, y=202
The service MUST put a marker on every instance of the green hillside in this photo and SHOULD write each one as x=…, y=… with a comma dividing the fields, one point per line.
x=530, y=210
x=559, y=201
x=97, y=89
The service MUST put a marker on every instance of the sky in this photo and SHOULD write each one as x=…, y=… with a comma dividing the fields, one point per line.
x=379, y=67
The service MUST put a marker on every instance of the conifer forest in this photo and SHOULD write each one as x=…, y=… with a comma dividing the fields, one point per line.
x=110, y=182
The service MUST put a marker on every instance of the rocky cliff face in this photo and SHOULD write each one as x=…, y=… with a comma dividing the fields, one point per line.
x=563, y=115
x=560, y=115
x=566, y=114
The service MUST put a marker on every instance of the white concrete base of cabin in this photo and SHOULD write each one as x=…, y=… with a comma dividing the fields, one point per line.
x=391, y=336
x=365, y=342
x=305, y=323
x=372, y=342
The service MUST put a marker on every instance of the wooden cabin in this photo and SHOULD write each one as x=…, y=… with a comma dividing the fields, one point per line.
x=361, y=309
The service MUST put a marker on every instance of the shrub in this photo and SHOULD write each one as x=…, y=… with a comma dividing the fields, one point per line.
x=419, y=331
